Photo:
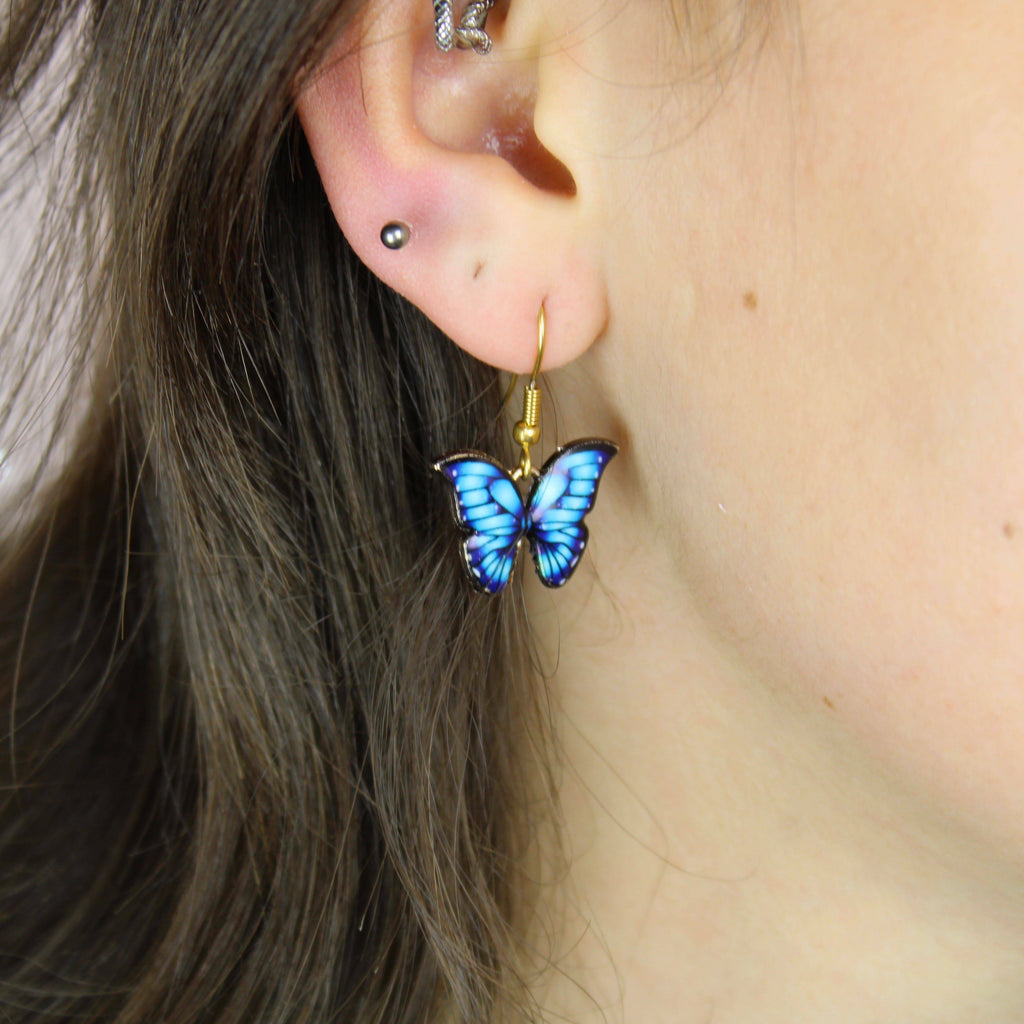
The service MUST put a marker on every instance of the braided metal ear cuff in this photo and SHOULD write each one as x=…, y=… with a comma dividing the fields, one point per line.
x=469, y=34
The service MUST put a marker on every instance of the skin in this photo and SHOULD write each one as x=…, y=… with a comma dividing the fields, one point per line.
x=787, y=675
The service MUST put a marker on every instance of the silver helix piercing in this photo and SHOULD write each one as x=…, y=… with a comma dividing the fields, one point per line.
x=394, y=234
x=469, y=34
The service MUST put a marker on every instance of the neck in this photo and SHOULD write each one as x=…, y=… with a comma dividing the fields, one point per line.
x=733, y=851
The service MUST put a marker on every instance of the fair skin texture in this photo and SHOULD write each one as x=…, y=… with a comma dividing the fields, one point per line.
x=786, y=677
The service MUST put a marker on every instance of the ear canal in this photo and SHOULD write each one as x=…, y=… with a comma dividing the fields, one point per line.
x=517, y=144
x=487, y=108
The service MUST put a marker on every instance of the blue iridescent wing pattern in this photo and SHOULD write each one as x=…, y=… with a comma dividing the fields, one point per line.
x=561, y=496
x=489, y=509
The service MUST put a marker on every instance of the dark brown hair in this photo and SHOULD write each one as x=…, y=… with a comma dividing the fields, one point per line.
x=260, y=742
x=265, y=755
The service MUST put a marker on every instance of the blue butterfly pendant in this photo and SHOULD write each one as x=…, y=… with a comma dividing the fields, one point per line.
x=490, y=511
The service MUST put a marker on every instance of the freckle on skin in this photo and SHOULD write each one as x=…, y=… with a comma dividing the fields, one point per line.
x=828, y=703
x=750, y=300
x=1009, y=531
x=476, y=273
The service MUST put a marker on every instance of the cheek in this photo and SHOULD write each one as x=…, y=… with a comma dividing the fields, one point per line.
x=850, y=453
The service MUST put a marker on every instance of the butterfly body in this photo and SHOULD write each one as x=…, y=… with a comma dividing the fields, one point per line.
x=490, y=510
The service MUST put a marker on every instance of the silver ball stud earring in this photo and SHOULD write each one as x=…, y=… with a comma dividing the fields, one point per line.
x=395, y=234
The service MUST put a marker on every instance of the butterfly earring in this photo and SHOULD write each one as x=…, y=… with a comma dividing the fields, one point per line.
x=490, y=511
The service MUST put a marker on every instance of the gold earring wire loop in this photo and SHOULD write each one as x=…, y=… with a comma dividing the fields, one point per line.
x=540, y=345
x=527, y=431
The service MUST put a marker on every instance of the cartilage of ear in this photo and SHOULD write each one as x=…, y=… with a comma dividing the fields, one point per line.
x=527, y=430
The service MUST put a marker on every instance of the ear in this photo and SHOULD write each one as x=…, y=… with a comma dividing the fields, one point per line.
x=449, y=143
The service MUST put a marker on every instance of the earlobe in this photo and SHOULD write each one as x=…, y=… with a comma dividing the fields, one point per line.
x=444, y=144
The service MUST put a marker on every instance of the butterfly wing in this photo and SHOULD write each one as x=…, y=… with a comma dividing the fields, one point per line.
x=561, y=496
x=488, y=508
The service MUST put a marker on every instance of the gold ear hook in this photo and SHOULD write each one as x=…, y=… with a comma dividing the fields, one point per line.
x=527, y=431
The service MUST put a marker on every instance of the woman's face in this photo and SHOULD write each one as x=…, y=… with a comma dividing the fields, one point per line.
x=817, y=294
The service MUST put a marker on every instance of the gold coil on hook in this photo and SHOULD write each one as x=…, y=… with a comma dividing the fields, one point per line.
x=531, y=408
x=527, y=431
